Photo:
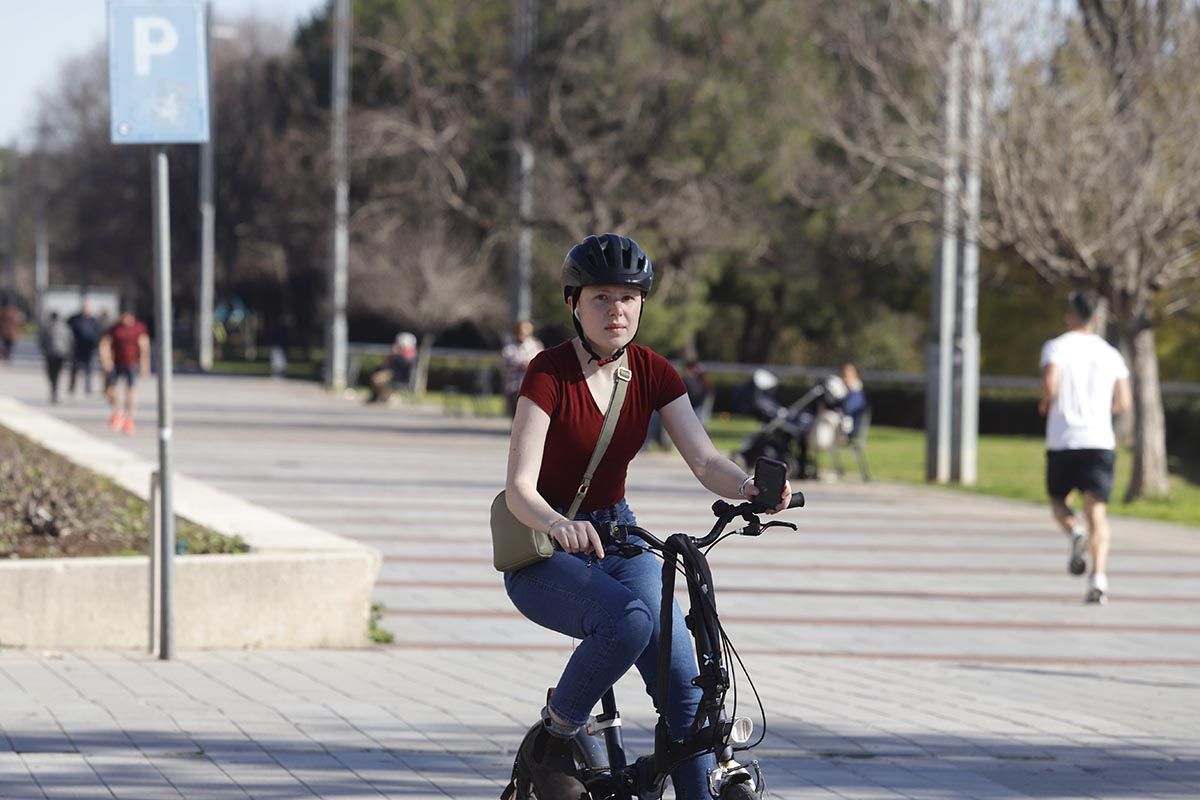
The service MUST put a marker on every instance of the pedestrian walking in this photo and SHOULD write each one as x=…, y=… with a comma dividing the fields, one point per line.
x=515, y=357
x=55, y=342
x=1084, y=383
x=124, y=355
x=11, y=323
x=85, y=329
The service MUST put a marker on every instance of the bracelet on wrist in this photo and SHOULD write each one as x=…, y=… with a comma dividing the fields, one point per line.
x=742, y=488
x=556, y=522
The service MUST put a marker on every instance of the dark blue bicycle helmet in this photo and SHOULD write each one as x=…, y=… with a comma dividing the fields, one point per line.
x=605, y=260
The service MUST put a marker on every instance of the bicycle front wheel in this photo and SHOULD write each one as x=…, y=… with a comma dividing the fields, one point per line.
x=739, y=791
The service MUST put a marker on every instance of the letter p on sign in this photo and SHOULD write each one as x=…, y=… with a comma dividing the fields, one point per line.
x=152, y=36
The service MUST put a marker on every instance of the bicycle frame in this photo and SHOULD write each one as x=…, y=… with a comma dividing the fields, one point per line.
x=607, y=773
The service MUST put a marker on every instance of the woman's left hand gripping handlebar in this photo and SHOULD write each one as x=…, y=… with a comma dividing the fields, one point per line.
x=576, y=536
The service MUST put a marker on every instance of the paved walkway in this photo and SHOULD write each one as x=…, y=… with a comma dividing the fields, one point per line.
x=907, y=642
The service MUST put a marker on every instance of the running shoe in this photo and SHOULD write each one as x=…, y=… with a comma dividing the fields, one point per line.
x=1097, y=589
x=128, y=427
x=116, y=420
x=1076, y=564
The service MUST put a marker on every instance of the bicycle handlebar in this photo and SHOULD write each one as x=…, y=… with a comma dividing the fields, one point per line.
x=726, y=512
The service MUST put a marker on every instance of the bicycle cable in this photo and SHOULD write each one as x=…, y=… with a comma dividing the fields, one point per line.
x=727, y=648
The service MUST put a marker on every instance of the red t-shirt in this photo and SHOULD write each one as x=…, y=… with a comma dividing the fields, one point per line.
x=125, y=343
x=555, y=382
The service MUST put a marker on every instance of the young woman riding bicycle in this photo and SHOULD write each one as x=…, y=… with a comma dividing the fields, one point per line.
x=610, y=603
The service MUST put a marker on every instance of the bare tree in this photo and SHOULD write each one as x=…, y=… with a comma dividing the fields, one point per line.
x=1096, y=177
x=425, y=274
x=1091, y=169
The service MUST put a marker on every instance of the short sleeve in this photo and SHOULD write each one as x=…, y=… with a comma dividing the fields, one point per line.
x=541, y=383
x=1049, y=353
x=670, y=385
x=1120, y=368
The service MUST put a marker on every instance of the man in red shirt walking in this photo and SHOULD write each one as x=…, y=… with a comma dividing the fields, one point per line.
x=124, y=353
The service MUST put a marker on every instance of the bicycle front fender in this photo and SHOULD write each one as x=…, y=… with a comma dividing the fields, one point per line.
x=590, y=751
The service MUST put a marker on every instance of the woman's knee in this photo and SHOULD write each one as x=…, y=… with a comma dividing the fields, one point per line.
x=630, y=628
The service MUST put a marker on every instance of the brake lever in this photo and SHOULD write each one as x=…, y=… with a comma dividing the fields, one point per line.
x=781, y=524
x=618, y=540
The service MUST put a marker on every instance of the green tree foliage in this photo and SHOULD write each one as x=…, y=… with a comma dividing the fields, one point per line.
x=743, y=142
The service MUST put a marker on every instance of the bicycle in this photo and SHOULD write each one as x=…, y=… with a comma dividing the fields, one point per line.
x=604, y=769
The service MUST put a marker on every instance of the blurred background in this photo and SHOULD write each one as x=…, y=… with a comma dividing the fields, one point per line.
x=784, y=162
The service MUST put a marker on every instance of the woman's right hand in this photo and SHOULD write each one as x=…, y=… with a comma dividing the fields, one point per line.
x=577, y=536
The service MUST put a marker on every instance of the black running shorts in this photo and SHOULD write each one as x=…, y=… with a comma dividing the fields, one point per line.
x=1088, y=471
x=127, y=374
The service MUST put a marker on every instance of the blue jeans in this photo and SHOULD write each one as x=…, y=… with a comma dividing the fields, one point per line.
x=612, y=607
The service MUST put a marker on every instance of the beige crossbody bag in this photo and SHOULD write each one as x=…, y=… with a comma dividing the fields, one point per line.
x=515, y=544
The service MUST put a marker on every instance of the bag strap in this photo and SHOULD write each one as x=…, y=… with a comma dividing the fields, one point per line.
x=620, y=386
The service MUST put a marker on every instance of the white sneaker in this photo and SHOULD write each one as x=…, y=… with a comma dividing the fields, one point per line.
x=1077, y=563
x=1097, y=590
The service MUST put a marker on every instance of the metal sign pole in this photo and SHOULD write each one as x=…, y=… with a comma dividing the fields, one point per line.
x=158, y=85
x=162, y=313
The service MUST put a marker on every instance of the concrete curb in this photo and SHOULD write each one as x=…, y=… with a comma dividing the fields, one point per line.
x=298, y=587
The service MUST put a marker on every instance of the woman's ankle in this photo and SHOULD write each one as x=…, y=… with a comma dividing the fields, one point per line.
x=556, y=725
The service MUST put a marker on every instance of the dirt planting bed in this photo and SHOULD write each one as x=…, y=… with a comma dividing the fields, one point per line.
x=51, y=508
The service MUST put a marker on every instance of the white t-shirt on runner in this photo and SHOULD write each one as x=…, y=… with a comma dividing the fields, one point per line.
x=1081, y=416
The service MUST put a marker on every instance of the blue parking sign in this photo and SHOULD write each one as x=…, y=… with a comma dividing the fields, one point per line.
x=157, y=71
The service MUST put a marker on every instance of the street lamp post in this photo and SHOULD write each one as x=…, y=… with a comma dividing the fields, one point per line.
x=335, y=336
x=208, y=214
x=208, y=209
x=524, y=31
x=952, y=355
x=939, y=380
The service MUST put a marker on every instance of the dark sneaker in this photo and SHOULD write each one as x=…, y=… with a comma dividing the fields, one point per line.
x=1097, y=596
x=548, y=762
x=1076, y=564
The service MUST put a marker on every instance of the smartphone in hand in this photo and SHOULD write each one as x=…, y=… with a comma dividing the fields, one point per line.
x=769, y=476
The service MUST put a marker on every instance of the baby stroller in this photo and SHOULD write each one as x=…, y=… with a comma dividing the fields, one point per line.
x=787, y=431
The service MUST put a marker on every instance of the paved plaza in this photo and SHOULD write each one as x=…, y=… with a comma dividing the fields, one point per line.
x=906, y=641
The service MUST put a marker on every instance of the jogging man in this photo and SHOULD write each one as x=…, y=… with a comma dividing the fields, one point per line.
x=1084, y=383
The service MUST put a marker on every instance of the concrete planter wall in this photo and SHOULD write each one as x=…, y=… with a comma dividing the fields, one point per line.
x=298, y=586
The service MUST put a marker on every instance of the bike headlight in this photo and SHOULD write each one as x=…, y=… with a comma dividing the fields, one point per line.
x=741, y=730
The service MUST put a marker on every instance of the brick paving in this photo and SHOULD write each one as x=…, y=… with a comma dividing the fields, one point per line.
x=907, y=642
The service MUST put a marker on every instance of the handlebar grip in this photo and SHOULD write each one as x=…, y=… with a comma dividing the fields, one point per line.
x=797, y=499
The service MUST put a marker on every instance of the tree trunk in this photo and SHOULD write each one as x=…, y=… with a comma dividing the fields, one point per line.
x=1149, y=477
x=1122, y=424
x=424, y=356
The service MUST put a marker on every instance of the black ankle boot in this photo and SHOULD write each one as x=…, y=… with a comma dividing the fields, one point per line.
x=550, y=766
